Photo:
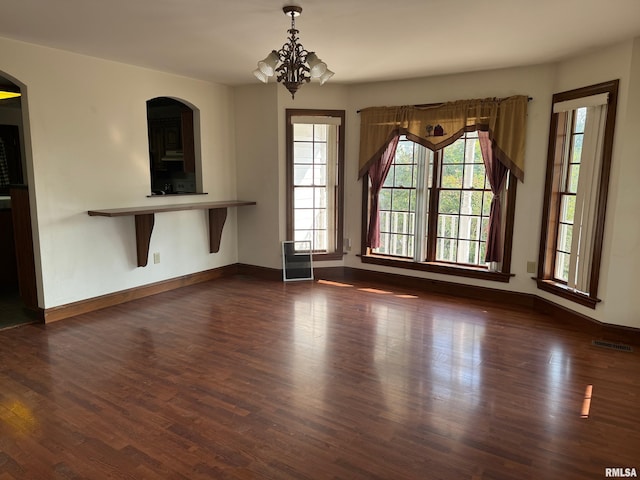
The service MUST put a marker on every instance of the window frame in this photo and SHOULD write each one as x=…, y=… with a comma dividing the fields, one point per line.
x=338, y=212
x=551, y=208
x=462, y=270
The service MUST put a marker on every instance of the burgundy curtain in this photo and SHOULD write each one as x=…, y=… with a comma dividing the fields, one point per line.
x=497, y=175
x=377, y=174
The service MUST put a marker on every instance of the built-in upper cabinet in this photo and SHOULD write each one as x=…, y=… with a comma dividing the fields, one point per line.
x=10, y=158
x=171, y=146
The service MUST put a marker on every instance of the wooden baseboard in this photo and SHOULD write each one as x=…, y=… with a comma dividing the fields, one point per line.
x=264, y=273
x=84, y=306
x=330, y=273
x=584, y=323
x=557, y=312
x=440, y=287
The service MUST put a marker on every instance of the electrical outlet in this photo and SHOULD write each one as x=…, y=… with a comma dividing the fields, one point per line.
x=347, y=244
x=531, y=267
x=156, y=257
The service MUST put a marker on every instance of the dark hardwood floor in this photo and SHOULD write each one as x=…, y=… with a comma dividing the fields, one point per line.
x=244, y=378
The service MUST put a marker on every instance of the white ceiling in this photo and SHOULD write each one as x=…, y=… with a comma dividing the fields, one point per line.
x=360, y=40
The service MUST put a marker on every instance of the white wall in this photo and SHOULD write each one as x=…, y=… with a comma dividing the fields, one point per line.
x=261, y=149
x=621, y=256
x=256, y=116
x=89, y=150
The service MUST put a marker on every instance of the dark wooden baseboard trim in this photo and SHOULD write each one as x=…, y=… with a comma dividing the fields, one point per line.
x=558, y=313
x=433, y=286
x=584, y=323
x=264, y=273
x=84, y=306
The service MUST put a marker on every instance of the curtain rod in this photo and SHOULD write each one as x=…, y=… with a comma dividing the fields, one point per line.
x=436, y=104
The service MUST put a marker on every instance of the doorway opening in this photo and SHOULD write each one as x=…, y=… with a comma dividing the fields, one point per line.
x=18, y=291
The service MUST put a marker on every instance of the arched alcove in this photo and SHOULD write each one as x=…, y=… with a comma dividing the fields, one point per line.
x=174, y=147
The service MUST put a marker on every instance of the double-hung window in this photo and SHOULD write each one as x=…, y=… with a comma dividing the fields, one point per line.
x=464, y=197
x=398, y=198
x=315, y=166
x=434, y=211
x=579, y=160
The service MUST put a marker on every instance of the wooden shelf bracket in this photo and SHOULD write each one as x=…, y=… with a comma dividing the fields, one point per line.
x=144, y=228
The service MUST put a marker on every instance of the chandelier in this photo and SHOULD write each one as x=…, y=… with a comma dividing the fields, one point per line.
x=292, y=64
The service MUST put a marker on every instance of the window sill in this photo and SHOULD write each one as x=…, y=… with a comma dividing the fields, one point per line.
x=323, y=257
x=181, y=194
x=563, y=291
x=446, y=269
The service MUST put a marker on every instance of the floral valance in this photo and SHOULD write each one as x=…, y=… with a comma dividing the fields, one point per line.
x=440, y=125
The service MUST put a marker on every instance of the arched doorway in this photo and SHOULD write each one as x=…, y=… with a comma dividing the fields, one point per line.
x=18, y=290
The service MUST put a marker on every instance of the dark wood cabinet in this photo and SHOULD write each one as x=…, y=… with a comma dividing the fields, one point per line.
x=10, y=138
x=188, y=144
x=165, y=143
x=8, y=268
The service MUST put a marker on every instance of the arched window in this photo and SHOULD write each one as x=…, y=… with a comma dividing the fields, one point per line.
x=172, y=152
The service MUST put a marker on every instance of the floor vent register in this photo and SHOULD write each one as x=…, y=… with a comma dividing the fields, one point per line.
x=612, y=345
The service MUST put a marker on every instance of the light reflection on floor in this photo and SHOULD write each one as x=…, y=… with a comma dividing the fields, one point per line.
x=558, y=375
x=310, y=319
x=454, y=349
x=452, y=391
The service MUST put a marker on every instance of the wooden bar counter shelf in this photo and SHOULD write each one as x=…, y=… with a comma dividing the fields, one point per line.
x=145, y=219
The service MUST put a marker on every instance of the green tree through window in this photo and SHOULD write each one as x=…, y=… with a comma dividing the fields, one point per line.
x=452, y=183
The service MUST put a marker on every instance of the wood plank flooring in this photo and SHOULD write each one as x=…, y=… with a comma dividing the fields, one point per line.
x=242, y=378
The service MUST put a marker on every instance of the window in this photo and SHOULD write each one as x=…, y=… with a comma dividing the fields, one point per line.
x=464, y=198
x=172, y=153
x=578, y=165
x=398, y=201
x=574, y=124
x=315, y=166
x=434, y=211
